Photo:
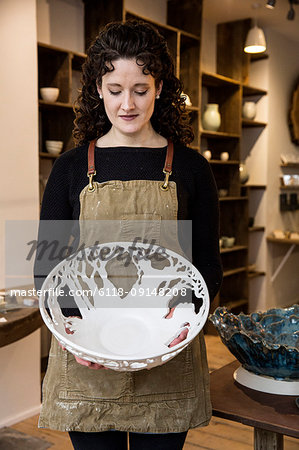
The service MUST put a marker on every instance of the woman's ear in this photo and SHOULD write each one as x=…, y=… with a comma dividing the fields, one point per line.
x=99, y=91
x=159, y=88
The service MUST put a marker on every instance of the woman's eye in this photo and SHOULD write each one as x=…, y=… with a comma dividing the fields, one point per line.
x=114, y=92
x=141, y=93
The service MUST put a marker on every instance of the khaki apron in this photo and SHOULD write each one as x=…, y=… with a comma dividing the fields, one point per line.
x=170, y=398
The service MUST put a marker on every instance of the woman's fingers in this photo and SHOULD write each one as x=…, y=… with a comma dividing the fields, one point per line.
x=182, y=336
x=89, y=364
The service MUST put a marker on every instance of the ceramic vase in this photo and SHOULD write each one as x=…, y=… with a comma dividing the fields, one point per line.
x=249, y=110
x=244, y=175
x=211, y=118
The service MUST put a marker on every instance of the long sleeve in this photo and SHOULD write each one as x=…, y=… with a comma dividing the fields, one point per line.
x=205, y=228
x=55, y=221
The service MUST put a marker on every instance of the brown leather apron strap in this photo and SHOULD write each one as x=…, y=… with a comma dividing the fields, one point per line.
x=167, y=166
x=91, y=172
x=167, y=170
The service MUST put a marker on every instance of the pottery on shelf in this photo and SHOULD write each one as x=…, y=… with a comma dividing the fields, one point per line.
x=243, y=172
x=249, y=110
x=207, y=154
x=211, y=119
x=49, y=94
x=224, y=156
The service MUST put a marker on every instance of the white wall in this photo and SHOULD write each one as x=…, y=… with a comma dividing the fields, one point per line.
x=20, y=362
x=18, y=115
x=20, y=380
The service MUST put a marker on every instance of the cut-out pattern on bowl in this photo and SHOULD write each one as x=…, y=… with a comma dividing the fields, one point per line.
x=265, y=343
x=128, y=309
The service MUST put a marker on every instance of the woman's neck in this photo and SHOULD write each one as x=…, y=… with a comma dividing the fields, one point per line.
x=147, y=138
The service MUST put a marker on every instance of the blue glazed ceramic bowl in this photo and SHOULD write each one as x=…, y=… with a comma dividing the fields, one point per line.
x=265, y=343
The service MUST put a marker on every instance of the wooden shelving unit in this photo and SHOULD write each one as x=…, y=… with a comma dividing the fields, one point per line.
x=57, y=67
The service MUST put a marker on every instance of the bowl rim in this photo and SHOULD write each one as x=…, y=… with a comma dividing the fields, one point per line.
x=227, y=335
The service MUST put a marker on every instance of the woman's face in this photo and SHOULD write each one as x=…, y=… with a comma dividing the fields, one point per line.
x=129, y=97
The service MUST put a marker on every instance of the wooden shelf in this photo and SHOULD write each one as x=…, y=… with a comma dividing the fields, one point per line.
x=192, y=108
x=235, y=303
x=290, y=188
x=48, y=155
x=249, y=91
x=290, y=164
x=162, y=25
x=228, y=273
x=215, y=80
x=235, y=248
x=229, y=162
x=62, y=50
x=255, y=274
x=232, y=199
x=257, y=228
x=218, y=134
x=43, y=103
x=283, y=241
x=255, y=186
x=246, y=123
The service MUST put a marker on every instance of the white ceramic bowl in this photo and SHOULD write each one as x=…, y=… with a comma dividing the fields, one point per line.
x=124, y=331
x=54, y=147
x=49, y=94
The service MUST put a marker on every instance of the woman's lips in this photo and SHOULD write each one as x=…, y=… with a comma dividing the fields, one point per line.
x=129, y=117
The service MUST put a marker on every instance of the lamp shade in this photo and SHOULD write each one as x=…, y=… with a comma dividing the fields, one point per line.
x=255, y=41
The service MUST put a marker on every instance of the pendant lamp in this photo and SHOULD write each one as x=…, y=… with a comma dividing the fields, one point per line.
x=255, y=41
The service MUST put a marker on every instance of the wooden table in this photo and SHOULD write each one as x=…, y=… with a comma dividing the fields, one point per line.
x=20, y=323
x=271, y=415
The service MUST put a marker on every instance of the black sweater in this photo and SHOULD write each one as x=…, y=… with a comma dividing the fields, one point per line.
x=196, y=189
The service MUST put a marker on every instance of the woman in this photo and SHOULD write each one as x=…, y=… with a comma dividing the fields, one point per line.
x=128, y=114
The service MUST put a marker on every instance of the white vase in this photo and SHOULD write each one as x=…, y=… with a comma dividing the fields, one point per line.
x=244, y=175
x=211, y=119
x=249, y=110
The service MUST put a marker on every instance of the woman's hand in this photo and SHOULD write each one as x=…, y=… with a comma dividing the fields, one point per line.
x=183, y=334
x=86, y=363
x=89, y=364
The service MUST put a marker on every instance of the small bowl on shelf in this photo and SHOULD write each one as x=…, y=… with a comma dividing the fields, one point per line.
x=54, y=147
x=49, y=94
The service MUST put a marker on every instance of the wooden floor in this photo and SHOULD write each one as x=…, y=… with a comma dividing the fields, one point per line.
x=219, y=435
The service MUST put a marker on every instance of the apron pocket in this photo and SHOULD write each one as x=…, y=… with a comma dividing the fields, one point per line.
x=141, y=226
x=173, y=380
x=88, y=384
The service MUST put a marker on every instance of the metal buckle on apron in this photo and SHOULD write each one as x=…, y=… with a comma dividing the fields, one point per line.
x=91, y=187
x=164, y=186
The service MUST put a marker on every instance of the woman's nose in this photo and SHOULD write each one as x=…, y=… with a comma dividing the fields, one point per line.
x=127, y=102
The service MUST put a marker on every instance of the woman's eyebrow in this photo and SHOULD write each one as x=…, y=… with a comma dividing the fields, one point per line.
x=135, y=85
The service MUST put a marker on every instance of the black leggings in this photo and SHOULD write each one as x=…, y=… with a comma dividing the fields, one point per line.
x=117, y=440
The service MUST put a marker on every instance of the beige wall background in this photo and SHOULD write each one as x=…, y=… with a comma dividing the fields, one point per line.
x=20, y=361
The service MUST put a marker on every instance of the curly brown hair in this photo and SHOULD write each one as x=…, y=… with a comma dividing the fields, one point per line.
x=139, y=40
